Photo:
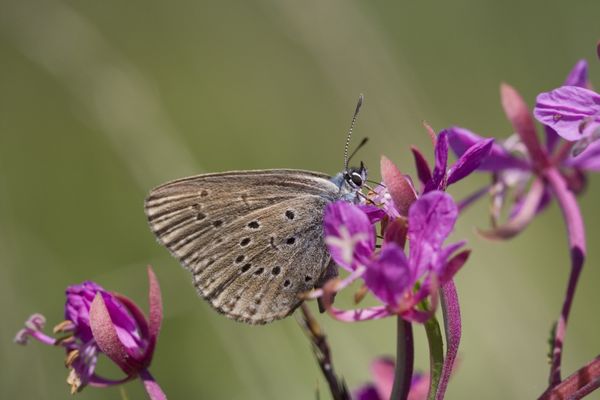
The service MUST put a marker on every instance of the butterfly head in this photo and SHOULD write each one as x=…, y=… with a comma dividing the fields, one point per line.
x=355, y=177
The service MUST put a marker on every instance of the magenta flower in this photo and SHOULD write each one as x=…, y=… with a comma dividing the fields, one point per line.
x=389, y=274
x=522, y=158
x=407, y=284
x=398, y=193
x=552, y=170
x=573, y=112
x=442, y=175
x=349, y=235
x=382, y=372
x=98, y=321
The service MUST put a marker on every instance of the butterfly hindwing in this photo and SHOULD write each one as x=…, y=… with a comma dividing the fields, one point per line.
x=253, y=240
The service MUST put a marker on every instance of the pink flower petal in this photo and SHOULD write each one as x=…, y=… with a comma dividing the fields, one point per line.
x=382, y=371
x=396, y=231
x=155, y=302
x=438, y=179
x=359, y=315
x=152, y=388
x=389, y=276
x=334, y=285
x=142, y=354
x=431, y=219
x=589, y=160
x=573, y=112
x=430, y=132
x=374, y=213
x=106, y=336
x=452, y=330
x=101, y=382
x=422, y=166
x=417, y=316
x=498, y=158
x=518, y=114
x=524, y=216
x=453, y=265
x=578, y=76
x=419, y=387
x=349, y=235
x=469, y=161
x=398, y=186
x=366, y=392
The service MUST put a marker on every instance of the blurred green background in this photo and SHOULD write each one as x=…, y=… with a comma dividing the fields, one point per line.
x=102, y=100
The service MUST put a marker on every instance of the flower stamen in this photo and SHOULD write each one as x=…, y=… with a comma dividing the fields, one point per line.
x=71, y=357
x=64, y=326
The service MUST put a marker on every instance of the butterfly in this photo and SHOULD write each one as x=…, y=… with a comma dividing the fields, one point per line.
x=253, y=240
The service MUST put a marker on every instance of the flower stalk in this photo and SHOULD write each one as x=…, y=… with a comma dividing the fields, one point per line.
x=557, y=170
x=578, y=385
x=322, y=352
x=436, y=355
x=404, y=359
x=576, y=234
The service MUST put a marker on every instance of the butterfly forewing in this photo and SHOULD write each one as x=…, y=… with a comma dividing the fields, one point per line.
x=253, y=240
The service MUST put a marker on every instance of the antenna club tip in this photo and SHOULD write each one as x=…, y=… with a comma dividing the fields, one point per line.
x=359, y=103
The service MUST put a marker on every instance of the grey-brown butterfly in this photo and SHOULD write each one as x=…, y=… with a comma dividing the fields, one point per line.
x=253, y=240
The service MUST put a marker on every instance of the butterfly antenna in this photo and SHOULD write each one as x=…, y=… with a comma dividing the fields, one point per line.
x=358, y=105
x=361, y=144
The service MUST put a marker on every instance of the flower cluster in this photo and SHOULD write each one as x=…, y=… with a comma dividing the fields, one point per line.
x=535, y=173
x=403, y=282
x=408, y=283
x=522, y=158
x=396, y=242
x=526, y=175
x=389, y=274
x=101, y=322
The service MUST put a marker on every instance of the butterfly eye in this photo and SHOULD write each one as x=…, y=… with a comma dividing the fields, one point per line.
x=357, y=179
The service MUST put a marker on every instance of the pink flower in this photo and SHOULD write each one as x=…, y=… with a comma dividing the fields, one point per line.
x=98, y=321
x=382, y=372
x=522, y=158
x=399, y=281
x=531, y=173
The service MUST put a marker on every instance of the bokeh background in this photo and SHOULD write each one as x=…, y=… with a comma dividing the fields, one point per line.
x=102, y=100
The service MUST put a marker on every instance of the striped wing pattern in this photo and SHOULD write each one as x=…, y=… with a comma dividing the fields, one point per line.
x=253, y=240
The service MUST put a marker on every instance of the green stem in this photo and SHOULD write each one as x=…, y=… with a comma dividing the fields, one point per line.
x=436, y=354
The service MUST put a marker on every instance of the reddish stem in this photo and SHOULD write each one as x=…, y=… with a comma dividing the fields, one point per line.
x=578, y=385
x=576, y=234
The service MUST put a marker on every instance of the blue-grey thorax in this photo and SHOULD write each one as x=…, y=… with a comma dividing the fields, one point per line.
x=347, y=192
